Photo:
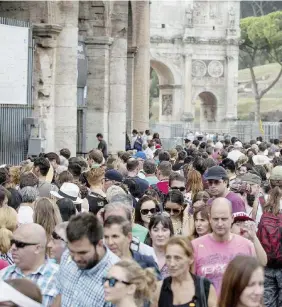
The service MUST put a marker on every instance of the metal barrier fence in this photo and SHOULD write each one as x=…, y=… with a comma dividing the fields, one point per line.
x=14, y=133
x=174, y=134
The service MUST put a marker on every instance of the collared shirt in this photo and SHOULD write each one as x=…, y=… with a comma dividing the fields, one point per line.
x=81, y=288
x=44, y=277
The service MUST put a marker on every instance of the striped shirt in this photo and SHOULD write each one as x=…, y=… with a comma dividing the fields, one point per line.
x=80, y=288
x=44, y=277
x=7, y=257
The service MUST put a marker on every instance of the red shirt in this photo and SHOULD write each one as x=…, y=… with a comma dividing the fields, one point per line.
x=3, y=264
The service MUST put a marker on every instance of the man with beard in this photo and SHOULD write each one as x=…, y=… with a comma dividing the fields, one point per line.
x=84, y=264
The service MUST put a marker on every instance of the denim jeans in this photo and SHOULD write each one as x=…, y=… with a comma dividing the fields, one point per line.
x=273, y=287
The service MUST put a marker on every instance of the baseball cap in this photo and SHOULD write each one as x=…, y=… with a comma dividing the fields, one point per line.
x=251, y=178
x=241, y=217
x=276, y=173
x=140, y=155
x=216, y=173
x=114, y=175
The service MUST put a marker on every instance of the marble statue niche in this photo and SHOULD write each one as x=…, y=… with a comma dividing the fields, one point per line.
x=231, y=14
x=189, y=16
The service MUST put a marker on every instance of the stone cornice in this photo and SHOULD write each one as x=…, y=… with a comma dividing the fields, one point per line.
x=159, y=39
x=212, y=41
x=46, y=30
x=196, y=40
x=101, y=40
x=169, y=86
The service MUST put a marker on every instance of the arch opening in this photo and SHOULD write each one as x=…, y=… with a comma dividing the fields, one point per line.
x=205, y=112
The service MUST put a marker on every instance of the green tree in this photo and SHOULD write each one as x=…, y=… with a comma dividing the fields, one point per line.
x=261, y=38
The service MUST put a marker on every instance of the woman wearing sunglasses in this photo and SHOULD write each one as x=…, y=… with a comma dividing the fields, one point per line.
x=174, y=206
x=146, y=207
x=160, y=230
x=58, y=242
x=127, y=284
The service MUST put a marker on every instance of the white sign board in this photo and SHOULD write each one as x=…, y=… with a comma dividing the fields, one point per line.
x=13, y=64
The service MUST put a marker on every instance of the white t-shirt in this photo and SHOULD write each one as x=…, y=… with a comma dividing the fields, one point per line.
x=25, y=215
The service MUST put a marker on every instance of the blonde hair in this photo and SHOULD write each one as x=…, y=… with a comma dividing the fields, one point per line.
x=8, y=224
x=184, y=243
x=144, y=279
x=95, y=175
x=46, y=214
x=14, y=172
x=194, y=182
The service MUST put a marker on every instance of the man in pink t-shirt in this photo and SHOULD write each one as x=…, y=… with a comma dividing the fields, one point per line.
x=213, y=252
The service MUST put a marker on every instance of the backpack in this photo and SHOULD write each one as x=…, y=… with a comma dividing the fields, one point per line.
x=270, y=235
x=138, y=144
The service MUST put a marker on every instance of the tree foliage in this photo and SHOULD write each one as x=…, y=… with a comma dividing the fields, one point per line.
x=261, y=38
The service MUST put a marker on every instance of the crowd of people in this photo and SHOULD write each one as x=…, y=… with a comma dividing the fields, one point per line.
x=197, y=225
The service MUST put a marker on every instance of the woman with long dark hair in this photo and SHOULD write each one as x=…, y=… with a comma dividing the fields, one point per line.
x=174, y=205
x=146, y=207
x=160, y=230
x=201, y=222
x=243, y=283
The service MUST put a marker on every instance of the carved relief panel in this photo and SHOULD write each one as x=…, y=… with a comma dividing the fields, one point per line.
x=203, y=68
x=167, y=104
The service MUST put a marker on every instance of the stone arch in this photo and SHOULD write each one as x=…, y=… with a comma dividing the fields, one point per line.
x=208, y=109
x=166, y=89
x=164, y=72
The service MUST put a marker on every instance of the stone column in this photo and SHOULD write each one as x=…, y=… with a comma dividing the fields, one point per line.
x=66, y=78
x=142, y=67
x=118, y=77
x=188, y=84
x=45, y=36
x=131, y=51
x=98, y=54
x=231, y=83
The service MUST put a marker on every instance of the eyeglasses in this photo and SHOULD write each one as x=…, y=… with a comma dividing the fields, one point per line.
x=214, y=182
x=181, y=189
x=55, y=236
x=174, y=211
x=146, y=211
x=20, y=244
x=112, y=281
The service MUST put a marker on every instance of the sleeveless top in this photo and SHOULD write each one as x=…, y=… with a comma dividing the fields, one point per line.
x=166, y=295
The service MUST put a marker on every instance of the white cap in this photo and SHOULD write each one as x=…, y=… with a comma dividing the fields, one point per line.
x=218, y=145
x=238, y=144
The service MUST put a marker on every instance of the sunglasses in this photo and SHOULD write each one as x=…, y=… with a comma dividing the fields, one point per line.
x=20, y=244
x=146, y=211
x=55, y=236
x=214, y=182
x=112, y=281
x=174, y=211
x=181, y=189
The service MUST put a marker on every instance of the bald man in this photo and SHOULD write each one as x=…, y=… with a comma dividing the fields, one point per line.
x=28, y=248
x=213, y=251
